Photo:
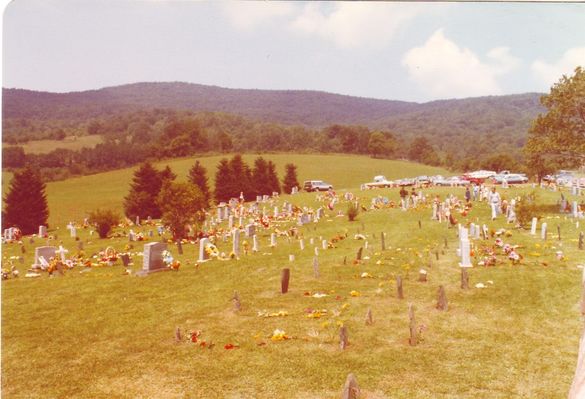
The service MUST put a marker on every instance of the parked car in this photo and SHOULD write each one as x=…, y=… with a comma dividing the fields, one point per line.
x=404, y=182
x=423, y=180
x=512, y=178
x=452, y=181
x=380, y=182
x=316, y=185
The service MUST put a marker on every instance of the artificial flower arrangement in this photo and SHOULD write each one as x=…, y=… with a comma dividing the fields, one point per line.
x=211, y=251
x=169, y=261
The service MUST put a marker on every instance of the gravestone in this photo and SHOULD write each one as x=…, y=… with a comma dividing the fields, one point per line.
x=581, y=240
x=399, y=292
x=465, y=254
x=422, y=276
x=73, y=231
x=273, y=240
x=533, y=226
x=316, y=267
x=369, y=318
x=152, y=260
x=359, y=253
x=231, y=222
x=250, y=230
x=255, y=243
x=543, y=232
x=320, y=213
x=284, y=280
x=559, y=232
x=351, y=389
x=276, y=214
x=302, y=244
x=413, y=340
x=203, y=256
x=464, y=279
x=236, y=242
x=45, y=252
x=343, y=337
x=575, y=209
x=42, y=231
x=442, y=299
x=125, y=259
x=324, y=244
x=383, y=240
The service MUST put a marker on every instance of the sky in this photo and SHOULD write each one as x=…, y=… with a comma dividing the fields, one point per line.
x=390, y=50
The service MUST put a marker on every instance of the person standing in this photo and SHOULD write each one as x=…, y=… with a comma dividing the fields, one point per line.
x=494, y=200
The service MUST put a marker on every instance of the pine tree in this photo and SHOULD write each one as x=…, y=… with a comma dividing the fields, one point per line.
x=260, y=177
x=198, y=176
x=223, y=181
x=145, y=187
x=25, y=205
x=241, y=176
x=167, y=175
x=290, y=179
x=273, y=182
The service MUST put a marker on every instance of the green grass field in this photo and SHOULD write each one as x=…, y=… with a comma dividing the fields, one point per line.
x=46, y=146
x=104, y=334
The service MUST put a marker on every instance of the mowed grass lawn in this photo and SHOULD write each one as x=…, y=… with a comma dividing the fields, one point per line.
x=103, y=334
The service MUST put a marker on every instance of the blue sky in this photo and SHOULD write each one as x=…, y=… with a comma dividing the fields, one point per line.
x=403, y=51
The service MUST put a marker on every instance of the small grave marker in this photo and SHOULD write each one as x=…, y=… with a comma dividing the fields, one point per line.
x=442, y=299
x=237, y=303
x=284, y=280
x=399, y=287
x=412, y=326
x=383, y=240
x=359, y=253
x=316, y=267
x=343, y=337
x=369, y=319
x=464, y=278
x=351, y=389
x=581, y=240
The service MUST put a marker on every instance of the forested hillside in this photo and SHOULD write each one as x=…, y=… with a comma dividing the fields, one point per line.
x=164, y=120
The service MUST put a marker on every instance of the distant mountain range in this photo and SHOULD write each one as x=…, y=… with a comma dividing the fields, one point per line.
x=309, y=108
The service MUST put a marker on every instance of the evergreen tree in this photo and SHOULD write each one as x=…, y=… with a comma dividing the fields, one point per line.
x=145, y=187
x=290, y=179
x=167, y=175
x=273, y=182
x=25, y=205
x=198, y=176
x=223, y=181
x=260, y=177
x=241, y=178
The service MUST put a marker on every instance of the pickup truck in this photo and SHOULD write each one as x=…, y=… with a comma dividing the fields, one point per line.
x=380, y=182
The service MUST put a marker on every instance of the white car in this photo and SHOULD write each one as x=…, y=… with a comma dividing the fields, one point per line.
x=380, y=182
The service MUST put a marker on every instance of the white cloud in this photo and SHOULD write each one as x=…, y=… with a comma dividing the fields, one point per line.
x=247, y=15
x=444, y=69
x=550, y=73
x=355, y=24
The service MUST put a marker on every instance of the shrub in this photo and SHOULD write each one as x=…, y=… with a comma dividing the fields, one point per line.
x=352, y=211
x=526, y=209
x=104, y=220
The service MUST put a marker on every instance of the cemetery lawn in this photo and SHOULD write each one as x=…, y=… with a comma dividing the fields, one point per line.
x=103, y=334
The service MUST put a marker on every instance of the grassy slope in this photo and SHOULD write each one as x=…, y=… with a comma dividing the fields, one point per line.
x=46, y=146
x=102, y=334
x=72, y=199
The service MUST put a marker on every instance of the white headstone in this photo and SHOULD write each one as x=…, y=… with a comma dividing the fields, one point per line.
x=465, y=254
x=230, y=222
x=45, y=252
x=575, y=209
x=203, y=256
x=543, y=231
x=42, y=231
x=273, y=239
x=324, y=244
x=236, y=242
x=276, y=214
x=62, y=251
x=291, y=258
x=533, y=226
x=302, y=244
x=255, y=243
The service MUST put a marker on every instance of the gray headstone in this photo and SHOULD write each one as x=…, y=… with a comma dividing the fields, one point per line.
x=42, y=231
x=152, y=257
x=125, y=259
x=236, y=242
x=45, y=252
x=202, y=254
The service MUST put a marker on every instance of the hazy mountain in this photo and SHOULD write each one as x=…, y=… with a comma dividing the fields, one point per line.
x=499, y=116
